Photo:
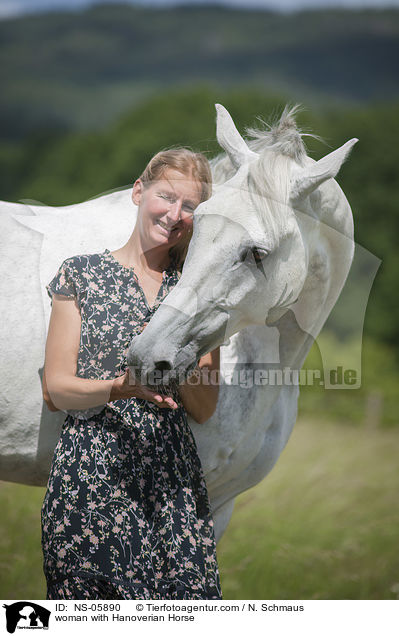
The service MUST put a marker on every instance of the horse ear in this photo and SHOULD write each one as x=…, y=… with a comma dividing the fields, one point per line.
x=309, y=178
x=230, y=139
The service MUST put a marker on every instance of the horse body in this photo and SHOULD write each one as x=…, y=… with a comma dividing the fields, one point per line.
x=269, y=256
x=36, y=239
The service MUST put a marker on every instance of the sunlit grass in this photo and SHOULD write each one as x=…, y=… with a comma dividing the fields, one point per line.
x=324, y=524
x=21, y=573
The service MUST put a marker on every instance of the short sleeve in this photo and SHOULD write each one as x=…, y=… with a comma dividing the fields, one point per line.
x=65, y=280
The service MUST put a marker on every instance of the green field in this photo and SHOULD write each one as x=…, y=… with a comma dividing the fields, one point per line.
x=323, y=525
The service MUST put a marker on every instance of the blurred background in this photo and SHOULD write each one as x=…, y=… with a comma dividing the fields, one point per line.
x=89, y=91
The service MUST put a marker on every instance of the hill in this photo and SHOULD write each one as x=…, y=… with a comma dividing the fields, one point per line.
x=81, y=69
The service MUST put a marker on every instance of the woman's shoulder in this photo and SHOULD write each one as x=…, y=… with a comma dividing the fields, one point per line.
x=81, y=262
x=83, y=272
x=79, y=270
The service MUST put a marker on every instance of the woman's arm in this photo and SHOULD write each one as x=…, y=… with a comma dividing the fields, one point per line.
x=62, y=389
x=46, y=394
x=200, y=398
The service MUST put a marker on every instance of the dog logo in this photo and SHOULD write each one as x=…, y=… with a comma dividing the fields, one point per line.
x=26, y=615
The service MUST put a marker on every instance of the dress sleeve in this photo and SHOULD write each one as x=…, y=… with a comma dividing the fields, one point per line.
x=65, y=280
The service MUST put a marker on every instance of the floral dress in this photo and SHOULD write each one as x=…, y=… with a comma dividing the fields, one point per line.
x=126, y=514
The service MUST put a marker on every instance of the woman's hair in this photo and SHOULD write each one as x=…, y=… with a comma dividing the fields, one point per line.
x=192, y=164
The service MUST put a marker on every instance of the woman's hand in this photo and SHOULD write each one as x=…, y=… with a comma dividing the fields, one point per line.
x=125, y=387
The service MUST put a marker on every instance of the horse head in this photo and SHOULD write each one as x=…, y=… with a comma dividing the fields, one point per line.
x=260, y=245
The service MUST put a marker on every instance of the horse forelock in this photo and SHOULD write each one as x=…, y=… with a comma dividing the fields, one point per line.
x=283, y=136
x=268, y=185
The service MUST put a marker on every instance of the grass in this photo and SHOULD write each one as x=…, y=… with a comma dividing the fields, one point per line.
x=21, y=573
x=323, y=525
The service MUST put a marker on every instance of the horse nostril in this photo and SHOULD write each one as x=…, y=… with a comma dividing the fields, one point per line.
x=163, y=365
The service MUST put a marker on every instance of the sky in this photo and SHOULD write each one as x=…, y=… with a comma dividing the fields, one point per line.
x=10, y=8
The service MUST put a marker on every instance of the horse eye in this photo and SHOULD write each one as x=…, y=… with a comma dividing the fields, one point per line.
x=257, y=253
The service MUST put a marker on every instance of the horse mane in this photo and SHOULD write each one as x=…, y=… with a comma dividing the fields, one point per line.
x=268, y=182
x=282, y=136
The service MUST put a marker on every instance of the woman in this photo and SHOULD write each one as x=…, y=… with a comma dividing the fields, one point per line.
x=126, y=514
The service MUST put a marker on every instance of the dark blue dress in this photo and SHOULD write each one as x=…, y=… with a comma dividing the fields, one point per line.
x=126, y=513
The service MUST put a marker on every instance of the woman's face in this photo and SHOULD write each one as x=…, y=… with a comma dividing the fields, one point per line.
x=166, y=208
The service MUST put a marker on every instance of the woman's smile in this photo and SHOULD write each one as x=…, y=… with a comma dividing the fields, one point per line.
x=166, y=229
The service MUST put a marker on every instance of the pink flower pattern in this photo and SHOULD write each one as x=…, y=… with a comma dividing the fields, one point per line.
x=126, y=514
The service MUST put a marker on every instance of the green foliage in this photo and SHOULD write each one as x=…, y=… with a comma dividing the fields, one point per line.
x=369, y=181
x=374, y=404
x=59, y=170
x=82, y=69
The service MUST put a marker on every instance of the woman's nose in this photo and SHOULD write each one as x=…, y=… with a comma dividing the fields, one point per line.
x=174, y=211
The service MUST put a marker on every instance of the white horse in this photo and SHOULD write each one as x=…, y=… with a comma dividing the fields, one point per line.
x=269, y=256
